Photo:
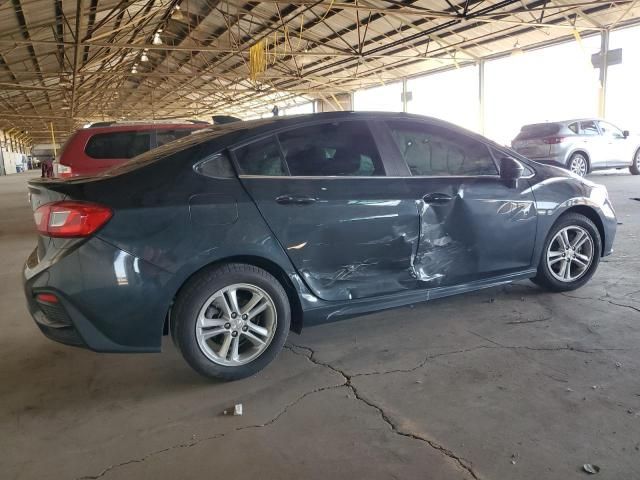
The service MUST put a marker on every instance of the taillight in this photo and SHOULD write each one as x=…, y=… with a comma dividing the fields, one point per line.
x=47, y=298
x=553, y=140
x=70, y=219
x=60, y=170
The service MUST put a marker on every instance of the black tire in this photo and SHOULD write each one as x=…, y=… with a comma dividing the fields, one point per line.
x=635, y=165
x=576, y=159
x=191, y=300
x=545, y=278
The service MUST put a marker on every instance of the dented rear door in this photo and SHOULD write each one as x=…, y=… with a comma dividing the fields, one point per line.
x=349, y=230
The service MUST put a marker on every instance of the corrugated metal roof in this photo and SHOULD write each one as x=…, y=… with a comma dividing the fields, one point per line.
x=71, y=62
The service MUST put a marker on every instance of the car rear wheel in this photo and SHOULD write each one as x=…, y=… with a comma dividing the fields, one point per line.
x=571, y=254
x=231, y=321
x=635, y=166
x=579, y=164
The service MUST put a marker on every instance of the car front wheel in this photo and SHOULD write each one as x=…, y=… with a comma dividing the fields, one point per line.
x=571, y=254
x=635, y=166
x=579, y=164
x=231, y=321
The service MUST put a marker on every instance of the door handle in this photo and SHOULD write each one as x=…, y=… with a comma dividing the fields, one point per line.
x=294, y=200
x=437, y=198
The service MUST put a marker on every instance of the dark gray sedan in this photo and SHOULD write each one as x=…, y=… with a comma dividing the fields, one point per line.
x=230, y=237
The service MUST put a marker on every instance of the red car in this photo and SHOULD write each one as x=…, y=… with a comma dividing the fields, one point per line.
x=103, y=145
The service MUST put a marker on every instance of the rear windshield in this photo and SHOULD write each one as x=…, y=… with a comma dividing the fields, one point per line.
x=115, y=145
x=538, y=130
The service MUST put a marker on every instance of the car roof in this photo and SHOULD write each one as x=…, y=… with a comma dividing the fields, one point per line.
x=129, y=127
x=572, y=120
x=253, y=128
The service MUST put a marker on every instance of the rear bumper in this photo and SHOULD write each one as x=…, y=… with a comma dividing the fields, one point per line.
x=108, y=300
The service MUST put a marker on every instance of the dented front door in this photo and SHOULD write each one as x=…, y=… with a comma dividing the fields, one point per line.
x=472, y=228
x=472, y=224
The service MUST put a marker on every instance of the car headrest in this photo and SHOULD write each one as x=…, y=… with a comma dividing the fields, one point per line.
x=344, y=162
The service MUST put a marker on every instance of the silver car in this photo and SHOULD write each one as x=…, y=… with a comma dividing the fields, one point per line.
x=581, y=145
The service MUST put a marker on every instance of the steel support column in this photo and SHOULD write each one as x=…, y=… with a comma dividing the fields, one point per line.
x=481, y=104
x=404, y=95
x=604, y=71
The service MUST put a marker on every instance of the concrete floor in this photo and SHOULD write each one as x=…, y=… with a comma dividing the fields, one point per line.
x=507, y=383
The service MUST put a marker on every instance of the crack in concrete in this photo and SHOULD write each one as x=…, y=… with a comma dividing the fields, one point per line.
x=523, y=322
x=195, y=442
x=459, y=461
x=559, y=348
x=601, y=299
x=421, y=364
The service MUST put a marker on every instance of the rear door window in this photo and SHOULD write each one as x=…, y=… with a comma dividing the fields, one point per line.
x=432, y=150
x=113, y=145
x=589, y=128
x=167, y=136
x=332, y=149
x=574, y=127
x=261, y=158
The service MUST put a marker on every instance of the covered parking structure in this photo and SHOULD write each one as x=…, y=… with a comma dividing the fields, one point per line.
x=63, y=65
x=510, y=382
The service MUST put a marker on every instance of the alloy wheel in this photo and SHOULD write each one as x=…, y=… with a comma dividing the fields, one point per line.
x=578, y=165
x=570, y=253
x=236, y=324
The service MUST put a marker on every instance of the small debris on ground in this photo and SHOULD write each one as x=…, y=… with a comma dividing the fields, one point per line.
x=630, y=411
x=618, y=364
x=592, y=469
x=569, y=389
x=595, y=387
x=237, y=410
x=491, y=300
x=514, y=457
x=418, y=381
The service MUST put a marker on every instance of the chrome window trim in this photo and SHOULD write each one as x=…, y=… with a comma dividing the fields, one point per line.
x=372, y=177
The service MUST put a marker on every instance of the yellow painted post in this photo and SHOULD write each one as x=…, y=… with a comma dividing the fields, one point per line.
x=53, y=140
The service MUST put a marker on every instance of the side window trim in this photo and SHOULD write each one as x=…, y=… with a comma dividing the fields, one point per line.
x=392, y=161
x=428, y=124
x=282, y=156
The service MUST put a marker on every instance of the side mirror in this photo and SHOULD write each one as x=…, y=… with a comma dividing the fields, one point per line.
x=510, y=171
x=625, y=133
